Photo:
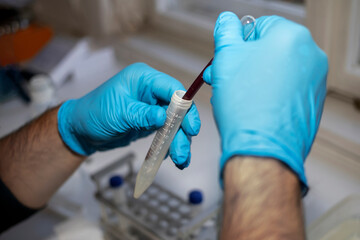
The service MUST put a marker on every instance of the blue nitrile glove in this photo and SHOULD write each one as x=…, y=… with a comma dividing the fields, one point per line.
x=268, y=92
x=129, y=106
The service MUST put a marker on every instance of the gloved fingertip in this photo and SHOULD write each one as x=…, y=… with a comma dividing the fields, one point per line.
x=228, y=28
x=225, y=16
x=164, y=86
x=207, y=75
x=194, y=120
x=138, y=65
x=157, y=116
x=184, y=164
x=196, y=125
x=180, y=149
x=191, y=124
x=181, y=167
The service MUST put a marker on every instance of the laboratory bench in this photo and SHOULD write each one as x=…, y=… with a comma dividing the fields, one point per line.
x=333, y=167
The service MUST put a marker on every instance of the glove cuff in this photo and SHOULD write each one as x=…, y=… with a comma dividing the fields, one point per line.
x=68, y=132
x=258, y=146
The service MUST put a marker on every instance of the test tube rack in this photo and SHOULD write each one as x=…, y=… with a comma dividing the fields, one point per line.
x=157, y=214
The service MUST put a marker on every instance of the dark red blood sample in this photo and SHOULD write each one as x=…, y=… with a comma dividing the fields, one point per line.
x=196, y=85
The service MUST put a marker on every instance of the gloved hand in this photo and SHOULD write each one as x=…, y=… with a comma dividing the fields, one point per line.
x=268, y=92
x=129, y=106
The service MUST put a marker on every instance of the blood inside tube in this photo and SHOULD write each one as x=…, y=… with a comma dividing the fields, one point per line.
x=196, y=85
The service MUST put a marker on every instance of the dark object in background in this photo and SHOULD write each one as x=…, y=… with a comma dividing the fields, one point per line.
x=16, y=3
x=7, y=88
x=357, y=103
x=13, y=82
x=20, y=39
x=12, y=211
x=294, y=1
x=13, y=20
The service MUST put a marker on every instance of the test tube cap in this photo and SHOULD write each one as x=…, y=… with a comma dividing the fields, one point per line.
x=195, y=197
x=116, y=181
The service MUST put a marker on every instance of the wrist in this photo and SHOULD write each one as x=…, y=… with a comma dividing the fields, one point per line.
x=256, y=145
x=262, y=200
x=241, y=169
x=69, y=132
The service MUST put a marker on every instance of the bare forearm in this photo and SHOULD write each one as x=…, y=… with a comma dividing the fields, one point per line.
x=262, y=201
x=35, y=162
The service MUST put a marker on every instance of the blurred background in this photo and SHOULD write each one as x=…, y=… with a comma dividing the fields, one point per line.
x=51, y=51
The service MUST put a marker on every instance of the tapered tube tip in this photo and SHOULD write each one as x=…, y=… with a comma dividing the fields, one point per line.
x=137, y=193
x=141, y=185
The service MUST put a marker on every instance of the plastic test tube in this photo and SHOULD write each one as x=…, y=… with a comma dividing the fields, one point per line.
x=195, y=200
x=119, y=191
x=118, y=187
x=161, y=143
